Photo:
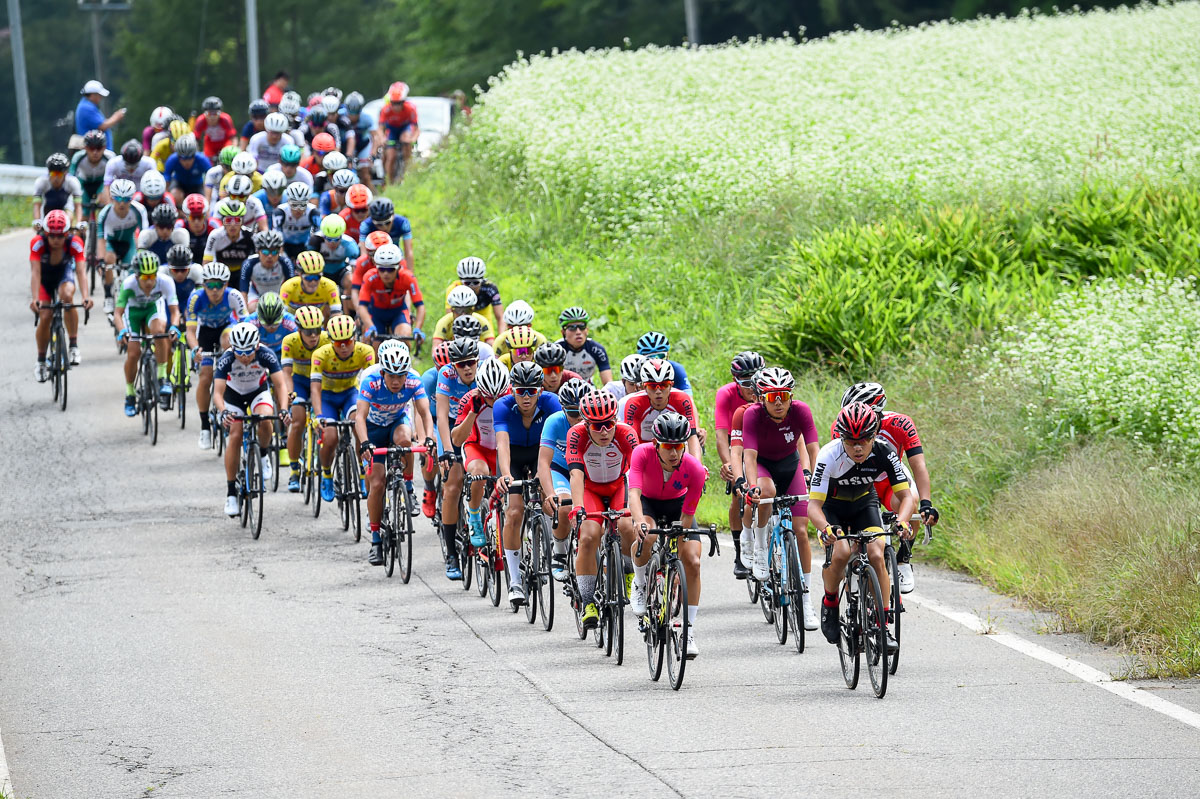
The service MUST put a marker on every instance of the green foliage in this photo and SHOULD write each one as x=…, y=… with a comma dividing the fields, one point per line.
x=15, y=212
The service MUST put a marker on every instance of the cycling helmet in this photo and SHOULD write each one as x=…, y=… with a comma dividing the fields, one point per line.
x=146, y=262
x=212, y=104
x=598, y=406
x=244, y=164
x=266, y=239
x=243, y=337
x=276, y=123
x=354, y=103
x=289, y=104
x=857, y=420
x=382, y=210
x=152, y=184
x=274, y=181
x=163, y=215
x=310, y=262
x=122, y=190
x=258, y=109
x=179, y=255
x=56, y=222
x=333, y=226
x=550, y=354
x=394, y=357
x=657, y=370
x=160, y=116
x=343, y=178
x=653, y=344
x=519, y=313
x=358, y=196
x=214, y=270
x=57, y=163
x=522, y=336
x=389, y=255
x=397, y=92
x=270, y=309
x=526, y=375
x=239, y=186
x=335, y=162
x=313, y=99
x=461, y=297
x=870, y=393
x=316, y=116
x=774, y=379
x=471, y=268
x=185, y=146
x=631, y=368
x=323, y=143
x=377, y=239
x=462, y=349
x=131, y=152
x=745, y=364
x=227, y=155
x=290, y=154
x=177, y=129
x=230, y=207
x=340, y=327
x=573, y=314
x=309, y=317
x=671, y=428
x=467, y=326
x=441, y=354
x=94, y=139
x=334, y=92
x=492, y=378
x=330, y=104
x=195, y=205
x=297, y=193
x=571, y=392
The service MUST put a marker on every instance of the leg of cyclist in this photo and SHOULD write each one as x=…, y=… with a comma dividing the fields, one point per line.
x=478, y=466
x=295, y=439
x=762, y=530
x=451, y=492
x=511, y=538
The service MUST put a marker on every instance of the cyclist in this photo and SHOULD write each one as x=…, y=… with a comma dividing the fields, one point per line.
x=257, y=111
x=381, y=215
x=518, y=314
x=57, y=191
x=366, y=262
x=53, y=275
x=274, y=322
x=209, y=313
x=118, y=223
x=297, y=220
x=429, y=379
x=384, y=393
x=222, y=166
x=584, y=355
x=383, y=302
x=522, y=343
x=462, y=303
x=333, y=199
x=660, y=395
x=554, y=473
x=334, y=386
x=153, y=193
x=475, y=432
x=333, y=163
x=185, y=169
x=296, y=359
x=316, y=124
x=165, y=144
x=289, y=106
x=843, y=498
x=364, y=143
x=657, y=345
x=310, y=287
x=184, y=271
x=454, y=381
x=551, y=358
x=132, y=164
x=266, y=145
x=397, y=129
x=471, y=272
x=289, y=165
x=779, y=446
x=599, y=451
x=214, y=127
x=630, y=383
x=358, y=198
x=88, y=166
x=197, y=222
x=271, y=195
x=240, y=190
x=470, y=327
x=266, y=270
x=519, y=419
x=231, y=243
x=159, y=119
x=730, y=397
x=665, y=486
x=321, y=145
x=338, y=250
x=900, y=432
x=242, y=376
x=164, y=235
x=243, y=164
x=152, y=303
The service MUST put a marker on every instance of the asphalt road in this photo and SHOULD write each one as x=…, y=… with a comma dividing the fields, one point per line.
x=149, y=647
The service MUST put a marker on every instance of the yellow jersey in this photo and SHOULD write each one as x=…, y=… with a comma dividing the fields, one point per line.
x=502, y=346
x=444, y=328
x=255, y=180
x=326, y=295
x=298, y=356
x=336, y=374
x=161, y=152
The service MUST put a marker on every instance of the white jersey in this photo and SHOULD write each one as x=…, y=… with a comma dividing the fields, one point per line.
x=162, y=290
x=212, y=178
x=117, y=169
x=265, y=153
x=302, y=175
x=149, y=235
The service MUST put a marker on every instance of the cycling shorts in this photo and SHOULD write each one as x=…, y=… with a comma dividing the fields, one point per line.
x=394, y=133
x=209, y=339
x=787, y=476
x=187, y=188
x=293, y=250
x=598, y=496
x=68, y=277
x=139, y=319
x=336, y=273
x=383, y=436
x=523, y=462
x=91, y=190
x=474, y=452
x=386, y=319
x=259, y=401
x=339, y=404
x=859, y=516
x=124, y=250
x=300, y=387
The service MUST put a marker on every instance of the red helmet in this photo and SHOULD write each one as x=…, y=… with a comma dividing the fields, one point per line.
x=857, y=420
x=323, y=143
x=598, y=406
x=441, y=354
x=397, y=92
x=56, y=222
x=358, y=196
x=195, y=205
x=377, y=238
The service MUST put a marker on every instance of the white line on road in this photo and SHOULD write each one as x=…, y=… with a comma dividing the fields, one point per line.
x=6, y=788
x=1073, y=667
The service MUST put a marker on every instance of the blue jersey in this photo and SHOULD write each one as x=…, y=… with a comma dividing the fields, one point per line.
x=206, y=314
x=554, y=436
x=681, y=380
x=190, y=177
x=325, y=203
x=265, y=201
x=429, y=381
x=401, y=229
x=387, y=407
x=274, y=340
x=507, y=417
x=295, y=230
x=449, y=385
x=338, y=255
x=362, y=131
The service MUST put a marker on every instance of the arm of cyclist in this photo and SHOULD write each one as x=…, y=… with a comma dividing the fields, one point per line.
x=462, y=431
x=421, y=404
x=920, y=476
x=361, y=409
x=545, y=458
x=503, y=461
x=442, y=405
x=281, y=395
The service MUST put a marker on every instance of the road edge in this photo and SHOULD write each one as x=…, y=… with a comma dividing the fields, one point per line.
x=6, y=788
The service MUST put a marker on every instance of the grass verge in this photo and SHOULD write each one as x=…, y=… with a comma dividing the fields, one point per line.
x=14, y=212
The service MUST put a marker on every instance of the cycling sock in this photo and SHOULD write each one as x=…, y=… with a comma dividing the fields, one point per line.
x=205, y=422
x=162, y=371
x=230, y=489
x=129, y=392
x=42, y=356
x=760, y=537
x=449, y=541
x=587, y=588
x=560, y=547
x=513, y=558
x=295, y=467
x=830, y=600
x=737, y=543
x=692, y=611
x=375, y=533
x=640, y=573
x=107, y=291
x=475, y=517
x=74, y=340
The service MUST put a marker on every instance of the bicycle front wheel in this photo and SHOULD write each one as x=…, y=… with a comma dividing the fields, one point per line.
x=531, y=548
x=794, y=590
x=677, y=623
x=545, y=581
x=387, y=529
x=653, y=620
x=181, y=385
x=889, y=557
x=403, y=530
x=255, y=489
x=777, y=591
x=492, y=526
x=874, y=627
x=848, y=638
x=152, y=409
x=617, y=599
x=63, y=365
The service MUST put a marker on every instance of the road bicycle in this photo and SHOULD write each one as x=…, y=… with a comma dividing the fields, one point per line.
x=310, y=460
x=782, y=593
x=347, y=478
x=58, y=359
x=487, y=560
x=146, y=385
x=861, y=619
x=610, y=597
x=179, y=374
x=250, y=488
x=396, y=526
x=535, y=555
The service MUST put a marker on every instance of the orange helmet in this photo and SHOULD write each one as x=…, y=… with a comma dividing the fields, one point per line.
x=323, y=143
x=358, y=196
x=397, y=92
x=377, y=238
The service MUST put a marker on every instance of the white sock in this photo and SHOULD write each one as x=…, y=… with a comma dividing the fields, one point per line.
x=513, y=558
x=560, y=547
x=640, y=573
x=692, y=611
x=760, y=538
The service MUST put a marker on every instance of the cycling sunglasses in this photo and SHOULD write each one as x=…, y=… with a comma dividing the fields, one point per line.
x=244, y=353
x=674, y=447
x=56, y=235
x=657, y=386
x=526, y=391
x=472, y=282
x=269, y=251
x=777, y=396
x=181, y=269
x=465, y=364
x=575, y=327
x=59, y=172
x=197, y=217
x=386, y=268
x=609, y=425
x=311, y=278
x=359, y=211
x=214, y=284
x=523, y=352
x=552, y=370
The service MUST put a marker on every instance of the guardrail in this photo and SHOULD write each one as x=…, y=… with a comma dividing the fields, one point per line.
x=18, y=180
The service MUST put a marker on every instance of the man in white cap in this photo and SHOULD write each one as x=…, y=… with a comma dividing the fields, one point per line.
x=88, y=115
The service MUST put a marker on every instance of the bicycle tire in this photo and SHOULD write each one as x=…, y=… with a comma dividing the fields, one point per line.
x=62, y=366
x=572, y=586
x=531, y=548
x=152, y=404
x=752, y=587
x=889, y=558
x=676, y=623
x=778, y=603
x=255, y=489
x=355, y=495
x=653, y=620
x=181, y=385
x=795, y=591
x=617, y=601
x=404, y=540
x=764, y=600
x=52, y=363
x=483, y=572
x=545, y=580
x=243, y=501
x=275, y=447
x=848, y=654
x=874, y=626
x=387, y=530
x=465, y=558
x=339, y=490
x=600, y=600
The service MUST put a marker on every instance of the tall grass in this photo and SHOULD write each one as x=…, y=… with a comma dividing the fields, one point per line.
x=14, y=212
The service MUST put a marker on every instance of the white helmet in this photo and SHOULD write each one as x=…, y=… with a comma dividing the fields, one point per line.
x=631, y=368
x=272, y=179
x=214, y=270
x=244, y=336
x=492, y=378
x=122, y=188
x=394, y=357
x=388, y=255
x=298, y=193
x=657, y=370
x=343, y=178
x=276, y=123
x=289, y=104
x=153, y=184
x=460, y=296
x=161, y=116
x=239, y=186
x=471, y=268
x=519, y=313
x=334, y=161
x=331, y=104
x=244, y=163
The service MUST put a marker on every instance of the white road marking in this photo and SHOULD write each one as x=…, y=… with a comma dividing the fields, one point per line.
x=1079, y=670
x=6, y=788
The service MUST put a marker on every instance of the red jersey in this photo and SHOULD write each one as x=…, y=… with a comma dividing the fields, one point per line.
x=484, y=432
x=273, y=94
x=362, y=265
x=310, y=163
x=640, y=416
x=735, y=427
x=398, y=117
x=899, y=431
x=607, y=464
x=39, y=250
x=351, y=222
x=375, y=295
x=214, y=138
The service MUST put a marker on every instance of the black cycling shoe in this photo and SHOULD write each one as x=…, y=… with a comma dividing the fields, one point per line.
x=376, y=557
x=740, y=572
x=829, y=623
x=893, y=645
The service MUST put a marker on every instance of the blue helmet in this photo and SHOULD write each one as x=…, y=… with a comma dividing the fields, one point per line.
x=653, y=344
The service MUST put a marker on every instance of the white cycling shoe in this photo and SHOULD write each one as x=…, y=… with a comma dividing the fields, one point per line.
x=692, y=649
x=73, y=355
x=637, y=599
x=267, y=472
x=205, y=439
x=811, y=622
x=904, y=576
x=231, y=506
x=41, y=372
x=761, y=569
x=516, y=596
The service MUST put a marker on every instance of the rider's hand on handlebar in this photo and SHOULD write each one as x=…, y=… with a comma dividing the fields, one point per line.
x=829, y=535
x=905, y=530
x=502, y=482
x=365, y=448
x=642, y=530
x=929, y=514
x=726, y=472
x=579, y=514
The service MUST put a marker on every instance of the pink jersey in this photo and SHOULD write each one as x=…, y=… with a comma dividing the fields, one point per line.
x=777, y=440
x=729, y=399
x=646, y=473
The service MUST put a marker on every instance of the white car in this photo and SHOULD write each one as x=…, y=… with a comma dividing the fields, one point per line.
x=433, y=119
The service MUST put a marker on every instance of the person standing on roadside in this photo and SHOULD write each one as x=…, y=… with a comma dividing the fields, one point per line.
x=88, y=115
x=275, y=89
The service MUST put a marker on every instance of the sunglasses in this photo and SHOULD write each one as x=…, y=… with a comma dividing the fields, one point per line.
x=359, y=211
x=777, y=396
x=56, y=235
x=332, y=239
x=526, y=391
x=655, y=386
x=58, y=172
x=311, y=278
x=464, y=364
x=472, y=282
x=575, y=328
x=181, y=269
x=747, y=383
x=339, y=190
x=297, y=205
x=269, y=251
x=552, y=370
x=214, y=284
x=609, y=425
x=523, y=352
x=197, y=217
x=673, y=447
x=386, y=268
x=244, y=353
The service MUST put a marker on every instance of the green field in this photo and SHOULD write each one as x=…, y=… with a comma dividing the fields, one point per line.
x=14, y=212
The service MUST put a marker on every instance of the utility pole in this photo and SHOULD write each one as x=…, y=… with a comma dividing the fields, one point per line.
x=691, y=13
x=94, y=8
x=252, y=46
x=21, y=79
x=97, y=53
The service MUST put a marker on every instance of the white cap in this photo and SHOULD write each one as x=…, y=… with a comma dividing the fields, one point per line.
x=94, y=87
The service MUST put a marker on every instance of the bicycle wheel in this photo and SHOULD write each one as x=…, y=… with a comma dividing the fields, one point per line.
x=62, y=366
x=752, y=588
x=152, y=403
x=601, y=600
x=354, y=498
x=889, y=558
x=654, y=628
x=531, y=548
x=794, y=590
x=676, y=623
x=778, y=598
x=403, y=530
x=255, y=490
x=493, y=524
x=572, y=586
x=181, y=385
x=874, y=627
x=243, y=497
x=387, y=528
x=765, y=601
x=617, y=599
x=276, y=444
x=545, y=581
x=481, y=564
x=848, y=653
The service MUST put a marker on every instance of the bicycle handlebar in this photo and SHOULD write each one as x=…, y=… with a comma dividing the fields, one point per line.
x=397, y=450
x=677, y=530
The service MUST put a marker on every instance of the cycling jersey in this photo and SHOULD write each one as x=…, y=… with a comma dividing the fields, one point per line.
x=336, y=374
x=160, y=151
x=215, y=136
x=60, y=199
x=777, y=440
x=149, y=239
x=384, y=406
x=202, y=312
x=90, y=172
x=362, y=136
x=685, y=481
x=255, y=276
x=375, y=295
x=190, y=178
x=251, y=127
x=449, y=386
x=444, y=329
x=587, y=360
x=265, y=153
x=255, y=181
x=681, y=378
x=397, y=117
x=198, y=241
x=840, y=479
x=213, y=177
x=338, y=254
x=728, y=400
x=640, y=415
x=735, y=426
x=301, y=175
x=122, y=229
x=246, y=378
x=503, y=345
x=429, y=381
x=400, y=229
x=274, y=339
x=554, y=438
x=145, y=305
x=52, y=274
x=296, y=354
x=600, y=464
x=507, y=417
x=116, y=169
x=324, y=296
x=231, y=252
x=487, y=295
x=185, y=287
x=483, y=434
x=900, y=432
x=296, y=228
x=325, y=206
x=308, y=131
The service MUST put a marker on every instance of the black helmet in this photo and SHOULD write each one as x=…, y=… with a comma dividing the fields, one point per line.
x=672, y=428
x=212, y=104
x=131, y=151
x=745, y=364
x=463, y=349
x=526, y=375
x=259, y=109
x=467, y=326
x=381, y=210
x=95, y=138
x=550, y=354
x=57, y=163
x=179, y=255
x=163, y=215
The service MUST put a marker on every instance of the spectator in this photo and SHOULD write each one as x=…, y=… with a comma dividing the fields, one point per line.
x=275, y=89
x=88, y=115
x=460, y=102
